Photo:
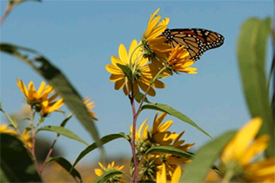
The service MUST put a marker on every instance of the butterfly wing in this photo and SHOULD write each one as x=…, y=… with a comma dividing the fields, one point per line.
x=196, y=41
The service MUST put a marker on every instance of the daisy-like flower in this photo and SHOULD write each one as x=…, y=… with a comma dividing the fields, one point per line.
x=90, y=106
x=141, y=72
x=141, y=138
x=237, y=157
x=159, y=133
x=26, y=137
x=102, y=169
x=179, y=61
x=153, y=45
x=39, y=99
x=168, y=176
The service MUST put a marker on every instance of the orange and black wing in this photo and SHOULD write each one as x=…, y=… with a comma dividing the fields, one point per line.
x=196, y=41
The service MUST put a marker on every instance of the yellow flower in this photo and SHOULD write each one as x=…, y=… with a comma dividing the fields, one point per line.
x=179, y=61
x=142, y=72
x=111, y=166
x=237, y=156
x=39, y=99
x=90, y=106
x=173, y=176
x=153, y=45
x=25, y=135
x=4, y=129
x=141, y=134
x=49, y=105
x=159, y=131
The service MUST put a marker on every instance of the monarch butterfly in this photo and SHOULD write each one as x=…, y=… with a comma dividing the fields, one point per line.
x=196, y=41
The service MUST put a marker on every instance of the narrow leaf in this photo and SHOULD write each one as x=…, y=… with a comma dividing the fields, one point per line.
x=67, y=166
x=139, y=96
x=64, y=122
x=169, y=150
x=3, y=177
x=126, y=70
x=173, y=112
x=107, y=175
x=93, y=146
x=60, y=83
x=197, y=170
x=62, y=131
x=251, y=53
x=16, y=163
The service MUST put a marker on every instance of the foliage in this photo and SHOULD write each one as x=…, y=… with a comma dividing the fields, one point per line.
x=158, y=154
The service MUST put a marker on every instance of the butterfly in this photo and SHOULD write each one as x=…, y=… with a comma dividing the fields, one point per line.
x=196, y=41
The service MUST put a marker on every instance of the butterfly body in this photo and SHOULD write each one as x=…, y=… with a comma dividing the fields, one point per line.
x=196, y=41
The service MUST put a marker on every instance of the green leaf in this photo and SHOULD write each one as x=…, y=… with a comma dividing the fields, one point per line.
x=169, y=150
x=60, y=83
x=197, y=170
x=93, y=146
x=3, y=177
x=173, y=112
x=67, y=166
x=62, y=131
x=139, y=96
x=16, y=163
x=64, y=122
x=251, y=53
x=107, y=175
x=126, y=70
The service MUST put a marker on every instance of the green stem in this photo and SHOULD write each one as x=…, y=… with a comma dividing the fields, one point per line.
x=154, y=79
x=132, y=99
x=33, y=141
x=229, y=174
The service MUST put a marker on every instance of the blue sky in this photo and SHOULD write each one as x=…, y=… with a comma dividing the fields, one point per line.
x=80, y=36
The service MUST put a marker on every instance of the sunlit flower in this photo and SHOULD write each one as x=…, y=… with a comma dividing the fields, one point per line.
x=25, y=138
x=39, y=99
x=168, y=176
x=141, y=134
x=141, y=72
x=160, y=133
x=141, y=139
x=102, y=169
x=49, y=105
x=153, y=45
x=179, y=61
x=90, y=106
x=238, y=157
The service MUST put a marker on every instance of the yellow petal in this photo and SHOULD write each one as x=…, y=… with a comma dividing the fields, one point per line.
x=237, y=146
x=161, y=175
x=114, y=69
x=22, y=87
x=41, y=88
x=164, y=127
x=98, y=172
x=119, y=84
x=141, y=127
x=116, y=60
x=259, y=145
x=122, y=52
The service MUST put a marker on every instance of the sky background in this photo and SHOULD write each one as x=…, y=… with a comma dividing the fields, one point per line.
x=79, y=37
